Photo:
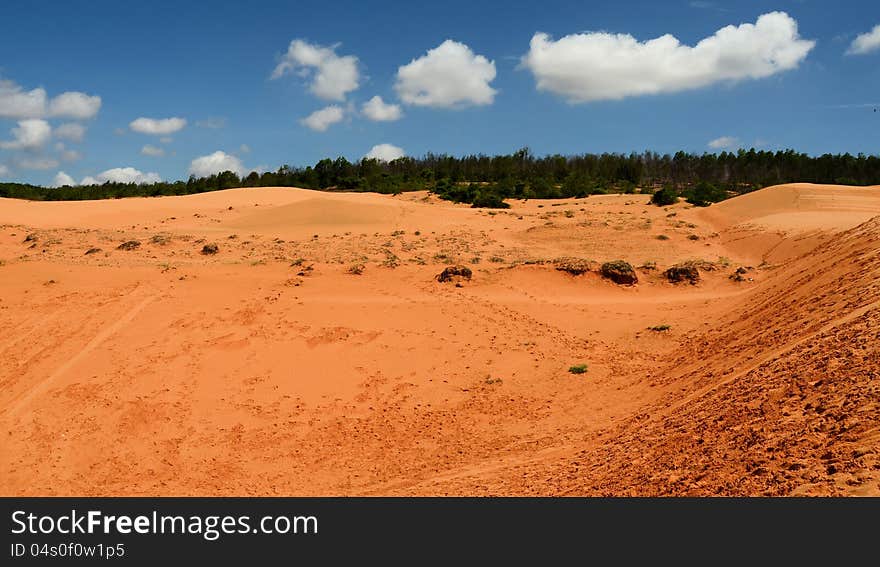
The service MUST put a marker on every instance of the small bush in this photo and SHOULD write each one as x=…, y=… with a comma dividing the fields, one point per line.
x=488, y=200
x=356, y=269
x=659, y=328
x=129, y=245
x=578, y=369
x=210, y=249
x=664, y=197
x=683, y=272
x=704, y=194
x=453, y=273
x=573, y=266
x=620, y=272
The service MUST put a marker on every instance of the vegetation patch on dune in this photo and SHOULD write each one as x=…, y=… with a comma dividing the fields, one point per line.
x=454, y=273
x=129, y=245
x=687, y=271
x=620, y=272
x=574, y=266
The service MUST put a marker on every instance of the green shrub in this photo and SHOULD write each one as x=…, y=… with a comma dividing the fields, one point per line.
x=704, y=194
x=664, y=197
x=489, y=200
x=578, y=369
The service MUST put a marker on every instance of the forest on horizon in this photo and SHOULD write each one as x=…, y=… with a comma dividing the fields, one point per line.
x=487, y=180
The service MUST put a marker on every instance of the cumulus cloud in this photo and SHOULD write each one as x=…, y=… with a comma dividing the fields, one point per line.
x=322, y=119
x=379, y=111
x=61, y=179
x=31, y=134
x=17, y=103
x=332, y=76
x=75, y=105
x=122, y=175
x=385, y=152
x=448, y=76
x=217, y=162
x=157, y=126
x=70, y=131
x=152, y=151
x=603, y=66
x=724, y=143
x=866, y=42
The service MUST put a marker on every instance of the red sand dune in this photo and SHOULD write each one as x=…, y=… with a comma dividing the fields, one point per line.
x=270, y=368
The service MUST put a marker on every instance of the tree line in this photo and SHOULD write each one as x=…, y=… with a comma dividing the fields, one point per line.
x=488, y=180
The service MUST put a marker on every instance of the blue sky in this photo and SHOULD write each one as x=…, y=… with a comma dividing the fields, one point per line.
x=212, y=65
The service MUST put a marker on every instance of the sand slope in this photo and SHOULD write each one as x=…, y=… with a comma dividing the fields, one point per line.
x=270, y=368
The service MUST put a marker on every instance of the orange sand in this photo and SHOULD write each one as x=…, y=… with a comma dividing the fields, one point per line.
x=270, y=369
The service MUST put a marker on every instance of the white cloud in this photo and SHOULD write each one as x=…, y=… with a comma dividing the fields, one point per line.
x=332, y=76
x=75, y=105
x=215, y=163
x=15, y=102
x=866, y=42
x=61, y=179
x=377, y=110
x=724, y=143
x=322, y=119
x=70, y=131
x=603, y=66
x=448, y=76
x=122, y=175
x=30, y=134
x=385, y=152
x=245, y=149
x=157, y=126
x=152, y=151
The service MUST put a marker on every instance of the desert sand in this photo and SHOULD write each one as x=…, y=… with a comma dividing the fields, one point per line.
x=316, y=354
